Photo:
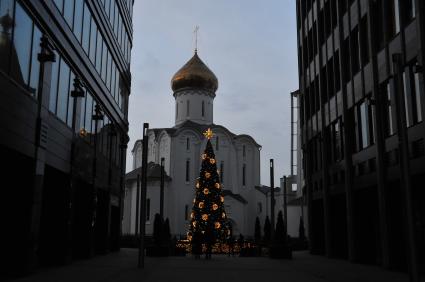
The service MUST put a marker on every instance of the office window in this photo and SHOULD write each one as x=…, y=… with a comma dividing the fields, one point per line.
x=105, y=52
x=406, y=99
x=68, y=12
x=54, y=85
x=63, y=91
x=418, y=94
x=85, y=41
x=35, y=64
x=78, y=19
x=98, y=61
x=89, y=113
x=365, y=127
x=364, y=41
x=148, y=209
x=385, y=92
x=70, y=101
x=93, y=36
x=187, y=170
x=59, y=5
x=22, y=43
x=244, y=174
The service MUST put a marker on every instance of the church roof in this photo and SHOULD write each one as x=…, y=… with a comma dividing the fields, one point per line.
x=154, y=173
x=237, y=197
x=197, y=127
x=194, y=74
x=266, y=189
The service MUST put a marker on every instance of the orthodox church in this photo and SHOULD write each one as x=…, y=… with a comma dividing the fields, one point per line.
x=181, y=146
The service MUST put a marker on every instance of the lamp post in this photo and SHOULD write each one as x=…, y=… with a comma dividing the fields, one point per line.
x=96, y=117
x=161, y=196
x=141, y=263
x=272, y=202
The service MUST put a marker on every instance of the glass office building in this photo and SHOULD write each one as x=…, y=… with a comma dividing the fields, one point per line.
x=362, y=106
x=65, y=84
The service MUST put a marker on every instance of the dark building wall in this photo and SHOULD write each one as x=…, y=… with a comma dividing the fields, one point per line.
x=361, y=89
x=65, y=82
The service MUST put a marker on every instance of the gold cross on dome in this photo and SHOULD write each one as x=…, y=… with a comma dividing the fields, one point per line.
x=208, y=134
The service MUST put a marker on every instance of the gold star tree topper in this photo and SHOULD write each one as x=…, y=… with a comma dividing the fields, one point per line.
x=208, y=134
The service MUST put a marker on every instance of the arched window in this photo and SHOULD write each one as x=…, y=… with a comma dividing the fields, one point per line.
x=243, y=174
x=216, y=143
x=187, y=107
x=186, y=212
x=203, y=108
x=148, y=209
x=187, y=170
x=187, y=143
x=222, y=172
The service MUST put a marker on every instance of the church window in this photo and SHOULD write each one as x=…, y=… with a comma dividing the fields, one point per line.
x=221, y=171
x=259, y=207
x=187, y=107
x=244, y=174
x=186, y=212
x=187, y=143
x=243, y=151
x=148, y=209
x=216, y=143
x=187, y=169
x=203, y=108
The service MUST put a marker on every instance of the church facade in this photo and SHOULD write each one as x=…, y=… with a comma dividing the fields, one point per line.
x=238, y=160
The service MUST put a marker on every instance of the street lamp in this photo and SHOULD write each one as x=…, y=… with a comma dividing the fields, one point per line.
x=161, y=196
x=96, y=117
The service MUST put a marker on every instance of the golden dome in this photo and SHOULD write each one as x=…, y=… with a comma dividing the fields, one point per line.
x=194, y=74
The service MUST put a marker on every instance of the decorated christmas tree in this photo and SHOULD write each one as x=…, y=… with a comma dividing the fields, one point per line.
x=208, y=218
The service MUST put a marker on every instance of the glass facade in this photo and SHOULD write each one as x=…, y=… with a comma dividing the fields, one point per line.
x=20, y=39
x=78, y=15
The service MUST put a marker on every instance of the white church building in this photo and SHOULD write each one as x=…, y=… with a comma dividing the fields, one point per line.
x=238, y=160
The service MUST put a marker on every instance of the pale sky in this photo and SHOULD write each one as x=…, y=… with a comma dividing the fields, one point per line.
x=250, y=45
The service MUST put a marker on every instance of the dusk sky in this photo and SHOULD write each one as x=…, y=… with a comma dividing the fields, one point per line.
x=250, y=45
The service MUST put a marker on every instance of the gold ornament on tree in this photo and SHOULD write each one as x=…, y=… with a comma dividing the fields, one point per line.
x=204, y=156
x=206, y=191
x=205, y=217
x=197, y=185
x=194, y=224
x=223, y=215
x=215, y=207
x=217, y=185
x=207, y=175
x=212, y=161
x=222, y=199
x=201, y=205
x=217, y=225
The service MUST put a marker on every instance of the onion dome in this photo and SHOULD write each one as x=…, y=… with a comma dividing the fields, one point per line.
x=194, y=74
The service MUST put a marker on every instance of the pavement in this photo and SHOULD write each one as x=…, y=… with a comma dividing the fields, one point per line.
x=122, y=266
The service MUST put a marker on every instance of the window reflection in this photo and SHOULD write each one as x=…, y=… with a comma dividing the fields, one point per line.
x=22, y=44
x=63, y=90
x=35, y=64
x=6, y=22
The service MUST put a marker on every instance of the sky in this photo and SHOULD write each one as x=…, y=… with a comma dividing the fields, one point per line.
x=250, y=45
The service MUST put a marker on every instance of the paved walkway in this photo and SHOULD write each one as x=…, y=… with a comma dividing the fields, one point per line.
x=304, y=267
